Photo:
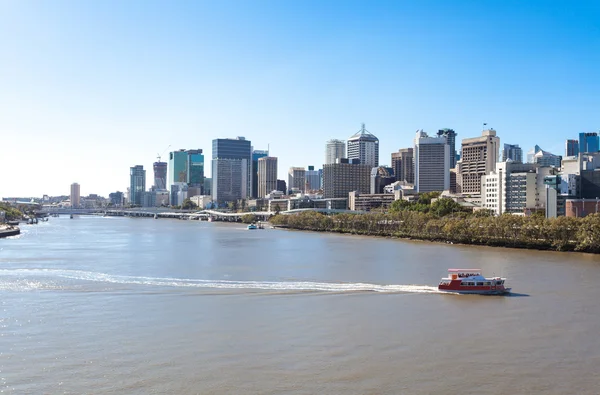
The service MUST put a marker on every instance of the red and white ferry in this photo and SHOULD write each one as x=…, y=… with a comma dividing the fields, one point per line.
x=470, y=281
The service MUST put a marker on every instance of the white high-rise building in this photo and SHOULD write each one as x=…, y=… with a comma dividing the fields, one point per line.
x=267, y=175
x=365, y=147
x=432, y=163
x=297, y=179
x=334, y=150
x=75, y=195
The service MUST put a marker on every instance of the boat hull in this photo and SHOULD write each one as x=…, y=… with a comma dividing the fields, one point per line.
x=477, y=291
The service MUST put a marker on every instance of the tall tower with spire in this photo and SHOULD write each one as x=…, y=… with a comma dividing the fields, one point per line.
x=364, y=146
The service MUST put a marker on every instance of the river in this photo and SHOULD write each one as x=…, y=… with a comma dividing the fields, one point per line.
x=95, y=305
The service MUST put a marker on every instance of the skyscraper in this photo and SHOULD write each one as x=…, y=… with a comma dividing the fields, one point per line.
x=75, y=195
x=195, y=168
x=297, y=179
x=267, y=175
x=589, y=142
x=186, y=166
x=571, y=148
x=313, y=179
x=137, y=184
x=339, y=179
x=432, y=163
x=403, y=165
x=160, y=175
x=238, y=149
x=334, y=149
x=230, y=179
x=450, y=136
x=365, y=147
x=479, y=157
x=380, y=177
x=512, y=152
x=256, y=155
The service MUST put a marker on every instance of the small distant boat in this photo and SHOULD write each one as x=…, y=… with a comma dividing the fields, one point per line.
x=71, y=216
x=252, y=227
x=470, y=281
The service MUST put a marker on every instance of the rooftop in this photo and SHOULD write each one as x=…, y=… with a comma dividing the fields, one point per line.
x=363, y=134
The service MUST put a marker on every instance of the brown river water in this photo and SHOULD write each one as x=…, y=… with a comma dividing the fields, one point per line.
x=96, y=305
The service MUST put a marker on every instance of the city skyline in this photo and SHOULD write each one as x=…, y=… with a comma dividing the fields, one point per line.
x=285, y=76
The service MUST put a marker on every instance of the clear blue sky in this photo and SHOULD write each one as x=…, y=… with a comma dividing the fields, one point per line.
x=90, y=88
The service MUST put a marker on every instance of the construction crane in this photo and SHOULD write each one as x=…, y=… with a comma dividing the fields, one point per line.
x=159, y=155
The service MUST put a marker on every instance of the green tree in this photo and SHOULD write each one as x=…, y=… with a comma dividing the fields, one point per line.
x=188, y=205
x=444, y=206
x=248, y=218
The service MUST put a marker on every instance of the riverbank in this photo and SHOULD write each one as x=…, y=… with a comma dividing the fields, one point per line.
x=7, y=230
x=556, y=234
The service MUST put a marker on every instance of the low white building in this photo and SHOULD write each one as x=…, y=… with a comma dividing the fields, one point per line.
x=202, y=201
x=515, y=188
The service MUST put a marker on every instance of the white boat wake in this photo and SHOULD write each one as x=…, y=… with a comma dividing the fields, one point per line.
x=27, y=279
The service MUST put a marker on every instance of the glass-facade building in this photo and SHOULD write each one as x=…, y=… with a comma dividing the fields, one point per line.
x=195, y=168
x=589, y=142
x=177, y=167
x=137, y=184
x=256, y=155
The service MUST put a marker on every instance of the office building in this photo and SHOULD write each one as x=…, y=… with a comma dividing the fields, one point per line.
x=177, y=169
x=543, y=158
x=160, y=175
x=341, y=178
x=229, y=180
x=282, y=186
x=368, y=202
x=75, y=195
x=432, y=163
x=137, y=184
x=403, y=165
x=571, y=148
x=364, y=146
x=512, y=152
x=479, y=157
x=381, y=177
x=195, y=168
x=267, y=175
x=116, y=198
x=517, y=188
x=334, y=150
x=238, y=149
x=297, y=179
x=207, y=190
x=589, y=142
x=313, y=179
x=450, y=136
x=256, y=155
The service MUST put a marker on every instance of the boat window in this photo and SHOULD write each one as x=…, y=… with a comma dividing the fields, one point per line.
x=498, y=282
x=480, y=283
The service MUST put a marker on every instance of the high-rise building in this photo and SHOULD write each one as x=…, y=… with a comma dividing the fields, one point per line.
x=334, y=150
x=341, y=178
x=238, y=149
x=195, y=168
x=571, y=148
x=75, y=195
x=186, y=166
x=256, y=155
x=450, y=136
x=403, y=165
x=365, y=147
x=267, y=175
x=281, y=186
x=545, y=158
x=432, y=163
x=479, y=157
x=160, y=175
x=297, y=179
x=589, y=142
x=229, y=180
x=381, y=177
x=137, y=184
x=512, y=152
x=313, y=179
x=177, y=170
